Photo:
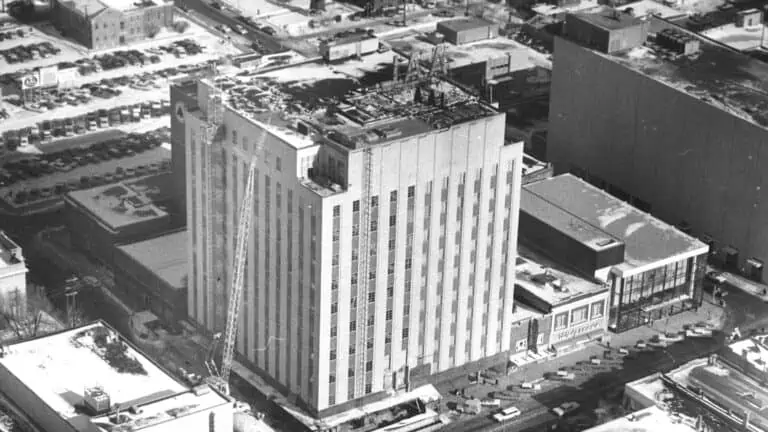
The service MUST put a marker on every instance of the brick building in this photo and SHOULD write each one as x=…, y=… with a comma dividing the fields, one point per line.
x=102, y=24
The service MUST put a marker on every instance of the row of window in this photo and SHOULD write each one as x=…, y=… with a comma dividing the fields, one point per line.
x=579, y=315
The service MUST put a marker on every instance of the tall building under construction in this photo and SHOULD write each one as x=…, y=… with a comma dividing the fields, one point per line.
x=384, y=226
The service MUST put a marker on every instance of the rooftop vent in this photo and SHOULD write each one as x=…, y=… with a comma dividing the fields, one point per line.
x=201, y=389
x=606, y=242
x=96, y=400
x=678, y=41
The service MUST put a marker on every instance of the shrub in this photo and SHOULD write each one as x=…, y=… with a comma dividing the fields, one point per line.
x=180, y=26
x=153, y=30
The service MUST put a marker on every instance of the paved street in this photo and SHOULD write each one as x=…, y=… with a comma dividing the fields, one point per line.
x=203, y=9
x=593, y=383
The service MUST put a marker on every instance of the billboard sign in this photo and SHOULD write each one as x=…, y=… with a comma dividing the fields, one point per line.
x=30, y=81
x=49, y=76
x=67, y=77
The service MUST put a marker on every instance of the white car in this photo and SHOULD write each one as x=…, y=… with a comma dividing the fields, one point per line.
x=507, y=414
x=566, y=408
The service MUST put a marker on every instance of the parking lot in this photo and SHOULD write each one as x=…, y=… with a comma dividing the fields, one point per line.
x=108, y=80
x=49, y=175
x=44, y=133
x=25, y=47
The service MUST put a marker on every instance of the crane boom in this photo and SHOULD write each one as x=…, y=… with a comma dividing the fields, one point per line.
x=245, y=217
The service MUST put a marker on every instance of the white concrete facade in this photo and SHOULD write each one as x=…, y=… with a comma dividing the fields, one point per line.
x=452, y=272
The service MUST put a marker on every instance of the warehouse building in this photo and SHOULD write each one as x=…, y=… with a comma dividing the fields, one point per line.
x=430, y=154
x=152, y=275
x=103, y=24
x=101, y=217
x=348, y=44
x=462, y=31
x=653, y=270
x=674, y=124
x=73, y=381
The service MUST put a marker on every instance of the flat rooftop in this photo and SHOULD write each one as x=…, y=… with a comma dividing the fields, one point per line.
x=542, y=278
x=608, y=19
x=351, y=103
x=462, y=24
x=651, y=419
x=165, y=256
x=718, y=75
x=754, y=351
x=720, y=383
x=94, y=7
x=650, y=7
x=58, y=368
x=459, y=56
x=117, y=205
x=594, y=217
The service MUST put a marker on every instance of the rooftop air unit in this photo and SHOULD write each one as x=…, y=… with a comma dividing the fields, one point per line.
x=96, y=400
x=557, y=285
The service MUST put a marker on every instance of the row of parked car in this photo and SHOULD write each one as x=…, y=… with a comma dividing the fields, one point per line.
x=107, y=88
x=26, y=53
x=67, y=160
x=84, y=182
x=122, y=58
x=67, y=127
x=179, y=48
x=11, y=35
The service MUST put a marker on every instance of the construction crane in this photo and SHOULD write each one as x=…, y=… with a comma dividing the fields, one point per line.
x=363, y=272
x=219, y=377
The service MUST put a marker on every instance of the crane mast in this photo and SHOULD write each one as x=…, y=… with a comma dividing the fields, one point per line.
x=363, y=274
x=209, y=131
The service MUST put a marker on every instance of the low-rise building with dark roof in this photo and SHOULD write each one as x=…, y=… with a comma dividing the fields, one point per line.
x=152, y=275
x=461, y=31
x=653, y=269
x=101, y=217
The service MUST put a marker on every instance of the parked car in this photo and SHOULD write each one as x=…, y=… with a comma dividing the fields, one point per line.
x=507, y=414
x=566, y=408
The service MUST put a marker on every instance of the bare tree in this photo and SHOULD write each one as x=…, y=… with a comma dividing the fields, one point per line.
x=33, y=315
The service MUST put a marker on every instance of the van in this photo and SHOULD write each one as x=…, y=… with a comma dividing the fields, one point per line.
x=507, y=414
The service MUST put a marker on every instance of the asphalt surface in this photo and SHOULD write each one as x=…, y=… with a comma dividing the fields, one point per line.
x=219, y=16
x=744, y=311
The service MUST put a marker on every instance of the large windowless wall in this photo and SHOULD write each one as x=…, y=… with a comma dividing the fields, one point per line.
x=644, y=139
